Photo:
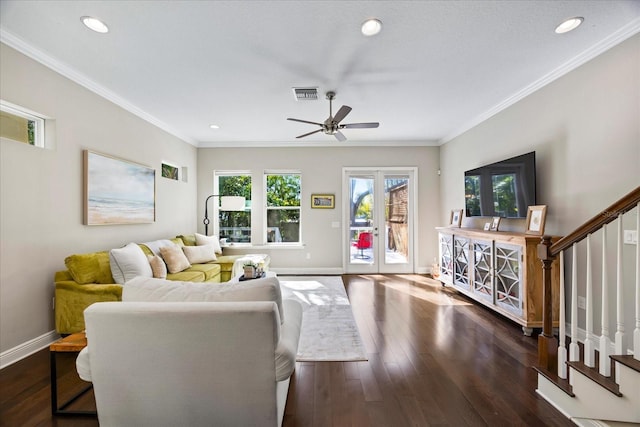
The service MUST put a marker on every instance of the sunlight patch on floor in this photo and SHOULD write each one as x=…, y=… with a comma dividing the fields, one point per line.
x=429, y=295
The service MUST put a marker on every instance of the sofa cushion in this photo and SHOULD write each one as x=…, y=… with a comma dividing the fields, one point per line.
x=187, y=239
x=201, y=239
x=89, y=268
x=150, y=290
x=188, y=275
x=209, y=270
x=129, y=262
x=158, y=267
x=199, y=254
x=174, y=258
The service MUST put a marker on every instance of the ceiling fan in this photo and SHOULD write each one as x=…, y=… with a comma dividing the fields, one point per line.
x=332, y=125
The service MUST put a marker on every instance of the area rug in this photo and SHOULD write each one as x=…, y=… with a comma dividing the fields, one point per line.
x=329, y=331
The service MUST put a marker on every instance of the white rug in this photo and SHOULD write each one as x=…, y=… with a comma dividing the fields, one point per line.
x=329, y=331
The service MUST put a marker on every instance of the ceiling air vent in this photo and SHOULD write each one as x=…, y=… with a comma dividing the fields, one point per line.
x=305, y=93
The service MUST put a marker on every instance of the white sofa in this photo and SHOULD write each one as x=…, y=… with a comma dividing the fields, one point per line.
x=181, y=353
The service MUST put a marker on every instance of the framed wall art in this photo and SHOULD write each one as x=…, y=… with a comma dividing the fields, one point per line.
x=117, y=191
x=323, y=201
x=495, y=223
x=536, y=216
x=455, y=219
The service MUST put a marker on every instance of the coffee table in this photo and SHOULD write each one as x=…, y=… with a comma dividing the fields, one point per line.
x=69, y=344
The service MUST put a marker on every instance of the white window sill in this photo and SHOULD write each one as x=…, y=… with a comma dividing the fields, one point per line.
x=296, y=246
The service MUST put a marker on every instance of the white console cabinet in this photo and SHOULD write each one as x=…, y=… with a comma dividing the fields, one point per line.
x=498, y=269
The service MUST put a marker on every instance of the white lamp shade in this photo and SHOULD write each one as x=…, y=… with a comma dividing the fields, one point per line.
x=232, y=203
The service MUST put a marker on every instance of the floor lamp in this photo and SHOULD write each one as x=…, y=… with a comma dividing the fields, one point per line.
x=227, y=203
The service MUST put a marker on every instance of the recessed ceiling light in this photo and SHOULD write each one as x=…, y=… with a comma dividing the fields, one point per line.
x=95, y=24
x=569, y=25
x=214, y=126
x=371, y=27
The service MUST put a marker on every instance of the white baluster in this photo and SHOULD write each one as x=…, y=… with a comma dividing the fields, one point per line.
x=589, y=344
x=562, y=349
x=636, y=332
x=605, y=342
x=620, y=342
x=574, y=350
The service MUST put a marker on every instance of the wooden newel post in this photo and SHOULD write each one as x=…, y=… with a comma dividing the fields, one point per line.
x=547, y=343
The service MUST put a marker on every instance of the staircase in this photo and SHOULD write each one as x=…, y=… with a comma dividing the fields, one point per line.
x=591, y=378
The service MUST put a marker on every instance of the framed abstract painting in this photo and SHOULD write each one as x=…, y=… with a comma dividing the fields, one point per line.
x=117, y=191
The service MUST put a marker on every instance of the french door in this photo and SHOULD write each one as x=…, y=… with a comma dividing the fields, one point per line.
x=379, y=220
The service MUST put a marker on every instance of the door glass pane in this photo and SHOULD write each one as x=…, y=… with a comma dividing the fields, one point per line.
x=396, y=198
x=361, y=219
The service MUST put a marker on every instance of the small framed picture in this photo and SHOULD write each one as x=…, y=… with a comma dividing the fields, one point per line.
x=323, y=201
x=455, y=220
x=487, y=226
x=536, y=216
x=495, y=223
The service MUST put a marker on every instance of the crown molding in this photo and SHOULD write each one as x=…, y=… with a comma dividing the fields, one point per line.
x=59, y=67
x=614, y=39
x=309, y=144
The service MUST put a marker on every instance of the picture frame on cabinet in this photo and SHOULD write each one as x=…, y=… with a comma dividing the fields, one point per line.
x=455, y=219
x=487, y=226
x=495, y=223
x=536, y=217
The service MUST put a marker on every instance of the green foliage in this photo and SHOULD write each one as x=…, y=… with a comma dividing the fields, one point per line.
x=237, y=185
x=283, y=190
x=504, y=195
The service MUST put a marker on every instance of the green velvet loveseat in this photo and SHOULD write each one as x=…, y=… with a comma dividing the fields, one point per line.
x=88, y=279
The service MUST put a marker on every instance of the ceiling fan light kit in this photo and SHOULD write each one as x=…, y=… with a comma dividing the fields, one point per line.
x=332, y=125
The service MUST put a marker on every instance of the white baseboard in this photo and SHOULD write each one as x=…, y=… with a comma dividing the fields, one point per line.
x=307, y=271
x=23, y=350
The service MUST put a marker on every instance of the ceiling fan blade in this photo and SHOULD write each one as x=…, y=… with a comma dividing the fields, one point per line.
x=359, y=125
x=340, y=136
x=342, y=113
x=310, y=133
x=304, y=121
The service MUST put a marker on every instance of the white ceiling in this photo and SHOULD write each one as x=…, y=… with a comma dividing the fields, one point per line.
x=436, y=69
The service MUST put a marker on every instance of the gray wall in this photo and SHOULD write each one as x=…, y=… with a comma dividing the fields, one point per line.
x=321, y=169
x=41, y=190
x=585, y=129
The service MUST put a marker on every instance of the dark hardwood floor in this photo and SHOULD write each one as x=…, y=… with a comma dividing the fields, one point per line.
x=435, y=359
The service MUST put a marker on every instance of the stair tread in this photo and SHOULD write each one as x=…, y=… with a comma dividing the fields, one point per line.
x=562, y=384
x=593, y=374
x=628, y=361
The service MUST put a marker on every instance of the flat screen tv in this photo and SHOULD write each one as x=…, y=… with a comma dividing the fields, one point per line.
x=503, y=189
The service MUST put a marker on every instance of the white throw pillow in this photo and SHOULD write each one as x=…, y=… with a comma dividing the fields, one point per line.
x=128, y=262
x=201, y=240
x=199, y=254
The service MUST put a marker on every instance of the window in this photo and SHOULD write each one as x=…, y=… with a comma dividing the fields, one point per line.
x=282, y=207
x=235, y=226
x=19, y=124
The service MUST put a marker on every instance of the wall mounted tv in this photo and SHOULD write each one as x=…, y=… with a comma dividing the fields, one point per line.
x=503, y=189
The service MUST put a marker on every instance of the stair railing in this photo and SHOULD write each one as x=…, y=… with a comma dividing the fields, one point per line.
x=552, y=354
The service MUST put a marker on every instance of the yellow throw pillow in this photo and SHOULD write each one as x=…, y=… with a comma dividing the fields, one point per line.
x=89, y=268
x=174, y=258
x=158, y=267
x=199, y=254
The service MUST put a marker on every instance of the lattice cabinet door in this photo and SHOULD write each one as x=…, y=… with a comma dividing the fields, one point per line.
x=446, y=258
x=508, y=277
x=461, y=262
x=483, y=269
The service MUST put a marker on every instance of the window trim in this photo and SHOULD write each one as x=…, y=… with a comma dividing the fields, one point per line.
x=25, y=113
x=266, y=208
x=216, y=206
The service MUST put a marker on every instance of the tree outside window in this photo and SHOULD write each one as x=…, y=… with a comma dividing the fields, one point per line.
x=232, y=225
x=283, y=207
